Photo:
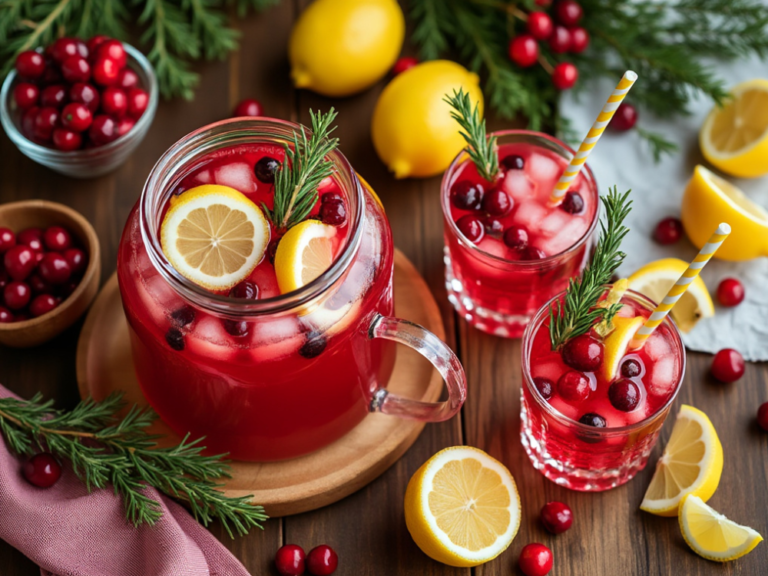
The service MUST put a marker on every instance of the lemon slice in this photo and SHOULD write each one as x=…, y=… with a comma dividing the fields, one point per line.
x=709, y=200
x=617, y=342
x=214, y=236
x=734, y=138
x=656, y=278
x=691, y=464
x=462, y=507
x=305, y=252
x=711, y=535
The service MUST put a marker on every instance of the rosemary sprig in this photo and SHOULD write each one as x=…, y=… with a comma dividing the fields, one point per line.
x=483, y=151
x=579, y=312
x=304, y=167
x=104, y=449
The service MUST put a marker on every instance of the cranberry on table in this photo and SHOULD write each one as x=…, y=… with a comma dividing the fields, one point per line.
x=322, y=561
x=103, y=130
x=573, y=203
x=6, y=315
x=403, y=64
x=564, y=76
x=26, y=95
x=42, y=470
x=730, y=292
x=560, y=40
x=57, y=238
x=516, y=237
x=66, y=140
x=246, y=290
x=105, y=71
x=42, y=304
x=624, y=395
x=63, y=48
x=76, y=69
x=30, y=64
x=545, y=386
x=539, y=25
x=497, y=202
x=85, y=94
x=17, y=295
x=728, y=365
x=127, y=79
x=333, y=213
x=54, y=268
x=138, y=100
x=668, y=231
x=594, y=420
x=19, y=262
x=289, y=560
x=471, y=227
x=535, y=560
x=624, y=118
x=467, y=196
x=249, y=107
x=524, y=50
x=630, y=368
x=114, y=102
x=568, y=12
x=557, y=517
x=573, y=386
x=265, y=170
x=113, y=50
x=762, y=412
x=579, y=40
x=584, y=353
x=54, y=95
x=7, y=240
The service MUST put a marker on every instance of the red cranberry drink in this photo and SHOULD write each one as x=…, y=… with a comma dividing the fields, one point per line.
x=508, y=250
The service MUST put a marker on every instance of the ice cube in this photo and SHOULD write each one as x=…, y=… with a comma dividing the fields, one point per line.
x=555, y=222
x=550, y=370
x=264, y=277
x=204, y=177
x=209, y=339
x=542, y=168
x=493, y=246
x=275, y=338
x=663, y=376
x=237, y=175
x=159, y=298
x=325, y=184
x=626, y=311
x=638, y=414
x=565, y=238
x=519, y=186
x=529, y=213
x=657, y=347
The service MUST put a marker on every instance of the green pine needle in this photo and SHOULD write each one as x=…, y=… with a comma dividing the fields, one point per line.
x=483, y=151
x=578, y=312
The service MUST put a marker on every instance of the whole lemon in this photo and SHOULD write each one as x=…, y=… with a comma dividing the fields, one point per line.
x=412, y=128
x=340, y=47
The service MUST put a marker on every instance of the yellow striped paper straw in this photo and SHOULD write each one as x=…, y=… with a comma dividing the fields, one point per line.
x=603, y=119
x=676, y=292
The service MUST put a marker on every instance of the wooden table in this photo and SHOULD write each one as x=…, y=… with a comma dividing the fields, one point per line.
x=610, y=536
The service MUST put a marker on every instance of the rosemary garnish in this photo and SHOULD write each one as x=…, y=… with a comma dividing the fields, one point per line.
x=104, y=449
x=304, y=167
x=579, y=312
x=482, y=150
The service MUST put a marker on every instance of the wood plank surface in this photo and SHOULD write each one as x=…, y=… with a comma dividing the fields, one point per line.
x=610, y=536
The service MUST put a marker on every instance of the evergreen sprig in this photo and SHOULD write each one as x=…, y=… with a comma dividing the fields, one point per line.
x=483, y=151
x=578, y=313
x=104, y=449
x=305, y=166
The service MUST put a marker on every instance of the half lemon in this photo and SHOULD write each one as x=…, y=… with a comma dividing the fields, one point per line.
x=305, y=252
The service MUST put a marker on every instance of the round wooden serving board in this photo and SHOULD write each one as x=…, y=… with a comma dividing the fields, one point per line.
x=104, y=365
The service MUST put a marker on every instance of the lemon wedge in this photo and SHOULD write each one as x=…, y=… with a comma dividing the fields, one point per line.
x=690, y=465
x=656, y=278
x=462, y=507
x=711, y=535
x=214, y=236
x=734, y=137
x=617, y=342
x=709, y=200
x=305, y=252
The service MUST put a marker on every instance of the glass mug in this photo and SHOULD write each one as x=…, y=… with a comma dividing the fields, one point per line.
x=267, y=398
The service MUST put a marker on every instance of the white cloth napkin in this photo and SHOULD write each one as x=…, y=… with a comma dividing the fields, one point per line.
x=625, y=160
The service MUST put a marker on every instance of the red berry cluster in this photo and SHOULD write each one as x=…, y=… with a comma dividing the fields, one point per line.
x=38, y=270
x=290, y=560
x=563, y=35
x=78, y=95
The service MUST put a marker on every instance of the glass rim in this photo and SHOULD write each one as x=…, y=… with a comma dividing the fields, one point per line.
x=527, y=343
x=532, y=264
x=167, y=170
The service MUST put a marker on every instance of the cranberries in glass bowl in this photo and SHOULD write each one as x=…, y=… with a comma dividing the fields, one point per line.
x=58, y=103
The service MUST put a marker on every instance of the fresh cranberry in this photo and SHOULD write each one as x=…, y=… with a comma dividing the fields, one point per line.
x=17, y=295
x=545, y=386
x=85, y=94
x=52, y=73
x=513, y=162
x=471, y=227
x=38, y=285
x=544, y=3
x=138, y=100
x=63, y=48
x=568, y=12
x=728, y=365
x=624, y=395
x=333, y=213
x=7, y=240
x=592, y=419
x=246, y=290
x=125, y=125
x=630, y=368
x=266, y=168
x=403, y=64
x=532, y=253
x=579, y=40
x=28, y=121
x=493, y=225
x=114, y=102
x=564, y=76
x=105, y=71
x=730, y=292
x=467, y=196
x=42, y=470
x=762, y=412
x=96, y=41
x=540, y=25
x=331, y=197
x=47, y=119
x=32, y=237
x=573, y=386
x=248, y=107
x=516, y=237
x=4, y=277
x=127, y=79
x=54, y=268
x=535, y=560
x=53, y=96
x=76, y=69
x=42, y=304
x=573, y=203
x=30, y=64
x=322, y=561
x=66, y=140
x=113, y=50
x=624, y=118
x=175, y=338
x=103, y=129
x=289, y=560
x=19, y=262
x=25, y=95
x=57, y=238
x=497, y=202
x=524, y=50
x=76, y=116
x=584, y=353
x=560, y=40
x=6, y=316
x=556, y=517
x=668, y=231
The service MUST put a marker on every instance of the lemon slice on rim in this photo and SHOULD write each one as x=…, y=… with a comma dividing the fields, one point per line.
x=692, y=463
x=214, y=236
x=305, y=252
x=711, y=535
x=734, y=137
x=462, y=507
x=617, y=342
x=656, y=278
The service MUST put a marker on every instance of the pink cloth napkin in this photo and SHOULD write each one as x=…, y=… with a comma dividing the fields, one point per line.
x=69, y=532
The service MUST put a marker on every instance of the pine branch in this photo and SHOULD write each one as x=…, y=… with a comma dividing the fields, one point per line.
x=481, y=149
x=578, y=313
x=657, y=143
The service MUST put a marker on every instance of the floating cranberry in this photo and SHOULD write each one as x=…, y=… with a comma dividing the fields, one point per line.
x=403, y=64
x=493, y=225
x=42, y=470
x=76, y=69
x=42, y=304
x=7, y=240
x=266, y=168
x=466, y=195
x=513, y=162
x=631, y=368
x=560, y=40
x=54, y=268
x=524, y=50
x=103, y=129
x=728, y=365
x=105, y=71
x=138, y=100
x=25, y=95
x=114, y=102
x=175, y=339
x=730, y=292
x=53, y=96
x=322, y=561
x=545, y=386
x=249, y=107
x=592, y=419
x=96, y=41
x=76, y=116
x=17, y=295
x=668, y=231
x=113, y=50
x=762, y=412
x=19, y=262
x=236, y=327
x=565, y=76
x=579, y=40
x=535, y=560
x=471, y=227
x=584, y=353
x=497, y=202
x=85, y=94
x=246, y=290
x=183, y=316
x=30, y=64
x=624, y=395
x=333, y=213
x=539, y=25
x=516, y=237
x=66, y=140
x=125, y=125
x=573, y=386
x=557, y=517
x=314, y=346
x=32, y=237
x=532, y=253
x=573, y=203
x=624, y=118
x=57, y=238
x=289, y=560
x=568, y=12
x=331, y=197
x=6, y=316
x=63, y=48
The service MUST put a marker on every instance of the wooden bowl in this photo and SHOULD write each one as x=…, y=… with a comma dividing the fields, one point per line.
x=40, y=214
